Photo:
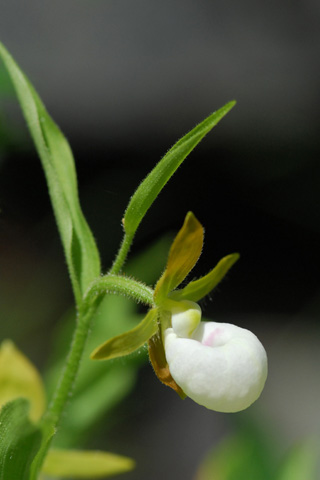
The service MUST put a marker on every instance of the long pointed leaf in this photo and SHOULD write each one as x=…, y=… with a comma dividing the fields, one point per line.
x=150, y=188
x=56, y=157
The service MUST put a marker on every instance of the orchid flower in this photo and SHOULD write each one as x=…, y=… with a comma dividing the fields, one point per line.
x=218, y=365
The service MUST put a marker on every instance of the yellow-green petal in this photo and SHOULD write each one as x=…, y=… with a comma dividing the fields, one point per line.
x=184, y=253
x=130, y=341
x=19, y=378
x=198, y=289
x=85, y=464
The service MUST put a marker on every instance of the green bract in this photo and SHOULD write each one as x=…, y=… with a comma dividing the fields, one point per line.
x=152, y=185
x=150, y=188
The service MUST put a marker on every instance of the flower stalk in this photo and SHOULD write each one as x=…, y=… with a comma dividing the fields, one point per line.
x=66, y=384
x=122, y=254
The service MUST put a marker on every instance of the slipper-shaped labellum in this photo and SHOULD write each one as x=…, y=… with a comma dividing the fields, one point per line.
x=218, y=365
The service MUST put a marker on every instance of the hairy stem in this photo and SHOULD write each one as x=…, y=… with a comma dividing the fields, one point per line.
x=122, y=254
x=65, y=386
x=119, y=285
x=112, y=284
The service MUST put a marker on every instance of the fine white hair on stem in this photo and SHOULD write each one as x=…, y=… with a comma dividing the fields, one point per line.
x=220, y=366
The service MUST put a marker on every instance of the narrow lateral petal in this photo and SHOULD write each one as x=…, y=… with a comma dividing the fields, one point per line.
x=198, y=289
x=184, y=253
x=130, y=341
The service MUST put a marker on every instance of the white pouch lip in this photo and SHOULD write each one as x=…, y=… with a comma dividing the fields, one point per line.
x=220, y=366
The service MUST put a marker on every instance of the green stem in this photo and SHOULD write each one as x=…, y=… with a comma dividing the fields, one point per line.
x=122, y=253
x=70, y=371
x=102, y=285
x=119, y=285
x=113, y=284
x=64, y=389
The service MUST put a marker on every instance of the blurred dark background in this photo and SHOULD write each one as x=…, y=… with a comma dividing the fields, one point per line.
x=124, y=80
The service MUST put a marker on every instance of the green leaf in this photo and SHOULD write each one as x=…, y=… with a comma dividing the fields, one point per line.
x=302, y=462
x=19, y=378
x=85, y=464
x=54, y=151
x=130, y=341
x=152, y=185
x=20, y=441
x=6, y=89
x=48, y=431
x=198, y=289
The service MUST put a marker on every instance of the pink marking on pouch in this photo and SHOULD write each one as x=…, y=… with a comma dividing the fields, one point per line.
x=210, y=338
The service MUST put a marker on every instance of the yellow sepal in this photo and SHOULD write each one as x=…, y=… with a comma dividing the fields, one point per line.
x=184, y=253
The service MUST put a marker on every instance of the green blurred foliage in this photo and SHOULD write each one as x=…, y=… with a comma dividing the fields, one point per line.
x=243, y=456
x=301, y=462
x=249, y=454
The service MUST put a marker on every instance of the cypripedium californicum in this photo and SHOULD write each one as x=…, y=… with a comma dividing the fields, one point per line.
x=220, y=366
